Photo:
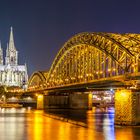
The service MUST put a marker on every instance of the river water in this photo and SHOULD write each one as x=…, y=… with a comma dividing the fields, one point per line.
x=96, y=124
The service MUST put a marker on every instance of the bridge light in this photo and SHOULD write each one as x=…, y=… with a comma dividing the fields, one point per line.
x=72, y=78
x=61, y=81
x=90, y=74
x=67, y=79
x=101, y=72
x=80, y=76
x=3, y=96
x=40, y=97
x=29, y=98
x=112, y=91
x=122, y=95
x=109, y=70
x=114, y=69
x=13, y=98
x=97, y=72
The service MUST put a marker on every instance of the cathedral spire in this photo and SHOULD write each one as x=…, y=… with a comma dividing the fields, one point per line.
x=11, y=40
x=1, y=55
x=7, y=55
x=12, y=74
x=7, y=49
x=26, y=74
x=11, y=52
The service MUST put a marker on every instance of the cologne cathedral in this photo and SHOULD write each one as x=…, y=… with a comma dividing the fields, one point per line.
x=12, y=74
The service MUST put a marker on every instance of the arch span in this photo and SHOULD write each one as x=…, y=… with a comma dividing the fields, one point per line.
x=37, y=78
x=91, y=56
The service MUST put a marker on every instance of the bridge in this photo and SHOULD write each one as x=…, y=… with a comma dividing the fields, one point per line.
x=87, y=57
x=90, y=62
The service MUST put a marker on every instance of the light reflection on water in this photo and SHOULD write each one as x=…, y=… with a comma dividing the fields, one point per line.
x=102, y=120
x=27, y=124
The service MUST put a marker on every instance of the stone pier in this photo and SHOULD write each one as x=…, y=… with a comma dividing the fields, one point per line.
x=40, y=101
x=79, y=100
x=56, y=101
x=76, y=100
x=127, y=107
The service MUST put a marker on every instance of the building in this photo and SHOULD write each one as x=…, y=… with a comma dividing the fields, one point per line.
x=12, y=74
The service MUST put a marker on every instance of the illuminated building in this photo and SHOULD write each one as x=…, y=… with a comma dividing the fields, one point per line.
x=12, y=74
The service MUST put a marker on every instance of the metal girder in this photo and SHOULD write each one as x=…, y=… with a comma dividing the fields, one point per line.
x=35, y=77
x=89, y=56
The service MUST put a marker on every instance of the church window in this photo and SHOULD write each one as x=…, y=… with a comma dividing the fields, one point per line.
x=12, y=59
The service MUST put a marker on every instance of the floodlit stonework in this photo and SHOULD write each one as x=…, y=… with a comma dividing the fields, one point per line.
x=12, y=74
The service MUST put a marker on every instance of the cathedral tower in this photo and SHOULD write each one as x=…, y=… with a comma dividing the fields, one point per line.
x=11, y=73
x=11, y=52
x=1, y=55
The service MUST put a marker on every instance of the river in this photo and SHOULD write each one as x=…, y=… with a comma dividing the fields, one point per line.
x=56, y=124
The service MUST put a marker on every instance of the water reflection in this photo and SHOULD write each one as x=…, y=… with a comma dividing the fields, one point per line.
x=27, y=124
x=12, y=124
x=102, y=120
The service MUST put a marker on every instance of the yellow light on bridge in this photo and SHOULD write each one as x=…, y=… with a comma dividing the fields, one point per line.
x=40, y=104
x=114, y=69
x=109, y=70
x=88, y=74
x=72, y=78
x=40, y=97
x=90, y=100
x=122, y=95
x=67, y=79
x=125, y=107
x=80, y=76
x=101, y=72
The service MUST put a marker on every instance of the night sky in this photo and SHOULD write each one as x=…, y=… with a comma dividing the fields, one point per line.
x=41, y=27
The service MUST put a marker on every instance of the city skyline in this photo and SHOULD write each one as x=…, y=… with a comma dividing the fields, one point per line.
x=42, y=27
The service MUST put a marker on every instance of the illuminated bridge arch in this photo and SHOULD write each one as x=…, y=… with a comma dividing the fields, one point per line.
x=38, y=78
x=91, y=56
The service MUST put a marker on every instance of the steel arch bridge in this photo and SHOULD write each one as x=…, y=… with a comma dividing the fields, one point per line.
x=91, y=56
x=37, y=78
x=86, y=61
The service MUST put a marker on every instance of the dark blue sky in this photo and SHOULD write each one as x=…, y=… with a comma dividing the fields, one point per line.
x=41, y=27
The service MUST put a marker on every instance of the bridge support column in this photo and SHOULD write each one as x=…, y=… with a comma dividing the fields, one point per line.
x=4, y=99
x=80, y=100
x=56, y=101
x=127, y=107
x=40, y=101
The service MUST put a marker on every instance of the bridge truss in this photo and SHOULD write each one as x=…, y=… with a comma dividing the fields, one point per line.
x=91, y=56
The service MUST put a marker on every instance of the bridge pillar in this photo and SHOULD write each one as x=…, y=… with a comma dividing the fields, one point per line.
x=56, y=101
x=40, y=101
x=127, y=107
x=79, y=100
x=4, y=99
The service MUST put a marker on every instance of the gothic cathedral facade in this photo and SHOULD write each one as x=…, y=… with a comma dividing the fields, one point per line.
x=12, y=74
